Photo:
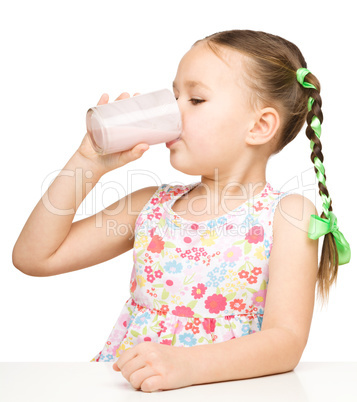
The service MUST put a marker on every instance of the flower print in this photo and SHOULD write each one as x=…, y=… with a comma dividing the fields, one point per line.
x=232, y=254
x=209, y=238
x=243, y=274
x=133, y=286
x=173, y=267
x=166, y=342
x=187, y=339
x=266, y=243
x=142, y=319
x=237, y=304
x=141, y=280
x=252, y=279
x=259, y=297
x=183, y=311
x=175, y=327
x=221, y=220
x=215, y=303
x=209, y=325
x=259, y=253
x=108, y=358
x=256, y=271
x=221, y=279
x=245, y=329
x=156, y=245
x=198, y=291
x=216, y=270
x=148, y=269
x=150, y=278
x=209, y=283
x=173, y=284
x=258, y=206
x=158, y=274
x=212, y=223
x=255, y=234
x=223, y=271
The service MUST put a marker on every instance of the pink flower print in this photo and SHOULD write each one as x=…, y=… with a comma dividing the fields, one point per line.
x=148, y=269
x=123, y=320
x=209, y=324
x=198, y=291
x=174, y=284
x=154, y=201
x=175, y=327
x=183, y=311
x=259, y=298
x=156, y=245
x=252, y=279
x=164, y=196
x=113, y=349
x=158, y=274
x=232, y=254
x=166, y=342
x=237, y=304
x=243, y=274
x=215, y=303
x=258, y=206
x=256, y=271
x=255, y=234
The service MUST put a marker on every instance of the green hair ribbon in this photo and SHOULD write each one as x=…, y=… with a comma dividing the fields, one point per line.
x=320, y=226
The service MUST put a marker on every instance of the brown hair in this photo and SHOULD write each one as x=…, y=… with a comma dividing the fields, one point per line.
x=271, y=63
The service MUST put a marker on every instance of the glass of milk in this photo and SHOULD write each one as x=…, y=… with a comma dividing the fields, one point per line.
x=150, y=118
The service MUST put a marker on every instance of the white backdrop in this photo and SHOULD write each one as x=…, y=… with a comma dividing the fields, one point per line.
x=57, y=60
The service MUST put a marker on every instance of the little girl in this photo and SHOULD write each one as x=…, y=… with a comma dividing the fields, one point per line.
x=203, y=252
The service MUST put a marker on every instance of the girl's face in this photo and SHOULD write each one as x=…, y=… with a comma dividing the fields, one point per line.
x=214, y=109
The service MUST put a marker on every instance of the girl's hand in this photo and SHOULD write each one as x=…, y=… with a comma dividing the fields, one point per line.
x=151, y=366
x=106, y=163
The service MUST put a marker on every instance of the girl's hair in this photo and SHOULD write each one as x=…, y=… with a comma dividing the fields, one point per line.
x=270, y=73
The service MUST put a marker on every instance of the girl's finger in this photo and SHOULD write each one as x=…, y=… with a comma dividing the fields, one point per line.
x=103, y=99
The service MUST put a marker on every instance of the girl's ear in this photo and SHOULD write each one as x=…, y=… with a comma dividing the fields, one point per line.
x=265, y=127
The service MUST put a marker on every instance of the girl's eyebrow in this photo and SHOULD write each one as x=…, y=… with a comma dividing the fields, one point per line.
x=192, y=84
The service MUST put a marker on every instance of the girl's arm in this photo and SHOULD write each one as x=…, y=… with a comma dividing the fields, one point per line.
x=50, y=244
x=279, y=345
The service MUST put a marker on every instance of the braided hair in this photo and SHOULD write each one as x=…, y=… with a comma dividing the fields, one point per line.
x=276, y=72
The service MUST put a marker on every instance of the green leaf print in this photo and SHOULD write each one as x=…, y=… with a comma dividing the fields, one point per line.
x=192, y=304
x=140, y=261
x=165, y=294
x=145, y=330
x=263, y=286
x=140, y=252
x=244, y=294
x=251, y=290
x=166, y=336
x=218, y=292
x=162, y=252
x=169, y=244
x=247, y=247
x=231, y=296
x=161, y=222
x=173, y=340
x=158, y=285
x=236, y=243
x=134, y=333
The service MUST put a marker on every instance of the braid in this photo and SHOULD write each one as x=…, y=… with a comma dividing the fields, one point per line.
x=335, y=247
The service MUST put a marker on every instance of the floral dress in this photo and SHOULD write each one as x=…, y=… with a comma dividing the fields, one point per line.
x=195, y=283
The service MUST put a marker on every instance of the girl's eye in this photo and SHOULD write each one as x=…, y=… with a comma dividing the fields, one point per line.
x=195, y=101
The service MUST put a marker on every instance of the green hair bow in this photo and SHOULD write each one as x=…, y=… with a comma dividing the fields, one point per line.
x=320, y=226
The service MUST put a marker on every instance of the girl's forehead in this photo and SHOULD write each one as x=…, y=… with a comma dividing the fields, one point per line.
x=200, y=65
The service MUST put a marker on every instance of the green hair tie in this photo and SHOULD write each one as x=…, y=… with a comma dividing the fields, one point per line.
x=319, y=226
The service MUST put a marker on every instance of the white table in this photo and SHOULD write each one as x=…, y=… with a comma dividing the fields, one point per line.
x=90, y=381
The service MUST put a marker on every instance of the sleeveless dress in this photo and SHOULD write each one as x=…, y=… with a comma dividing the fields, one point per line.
x=195, y=283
